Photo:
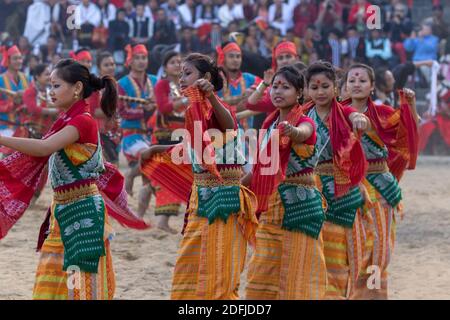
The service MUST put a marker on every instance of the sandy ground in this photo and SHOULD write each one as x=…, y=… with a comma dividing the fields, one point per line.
x=144, y=260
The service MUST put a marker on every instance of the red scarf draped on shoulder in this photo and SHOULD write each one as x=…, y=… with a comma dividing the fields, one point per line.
x=263, y=185
x=398, y=130
x=349, y=161
x=178, y=178
x=21, y=175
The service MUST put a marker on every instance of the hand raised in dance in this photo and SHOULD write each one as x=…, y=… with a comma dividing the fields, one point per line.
x=205, y=86
x=359, y=122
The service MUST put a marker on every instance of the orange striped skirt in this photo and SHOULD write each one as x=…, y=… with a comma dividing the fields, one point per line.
x=346, y=256
x=212, y=256
x=52, y=283
x=373, y=281
x=285, y=265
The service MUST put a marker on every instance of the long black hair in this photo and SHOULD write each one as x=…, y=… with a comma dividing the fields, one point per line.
x=294, y=77
x=321, y=67
x=205, y=64
x=71, y=72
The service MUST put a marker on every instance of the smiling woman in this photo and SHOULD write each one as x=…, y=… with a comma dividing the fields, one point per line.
x=221, y=212
x=77, y=226
x=291, y=214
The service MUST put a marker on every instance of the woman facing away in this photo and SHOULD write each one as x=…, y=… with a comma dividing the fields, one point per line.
x=77, y=235
x=221, y=218
x=391, y=147
x=289, y=261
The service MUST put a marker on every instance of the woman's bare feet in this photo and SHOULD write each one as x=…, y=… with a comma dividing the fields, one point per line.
x=163, y=224
x=145, y=195
x=132, y=173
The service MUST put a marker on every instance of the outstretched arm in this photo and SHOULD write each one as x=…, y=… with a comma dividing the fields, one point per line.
x=42, y=148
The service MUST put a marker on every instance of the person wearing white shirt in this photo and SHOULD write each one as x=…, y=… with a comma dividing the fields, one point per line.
x=280, y=16
x=89, y=13
x=187, y=12
x=108, y=11
x=141, y=27
x=230, y=11
x=38, y=23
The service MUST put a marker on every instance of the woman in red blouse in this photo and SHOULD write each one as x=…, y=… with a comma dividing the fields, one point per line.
x=169, y=116
x=40, y=111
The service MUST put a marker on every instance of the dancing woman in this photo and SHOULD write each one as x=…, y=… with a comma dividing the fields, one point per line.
x=289, y=260
x=169, y=116
x=391, y=146
x=109, y=127
x=341, y=166
x=221, y=217
x=85, y=188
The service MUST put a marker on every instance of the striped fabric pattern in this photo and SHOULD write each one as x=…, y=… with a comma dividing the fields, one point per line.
x=379, y=247
x=286, y=265
x=51, y=280
x=212, y=256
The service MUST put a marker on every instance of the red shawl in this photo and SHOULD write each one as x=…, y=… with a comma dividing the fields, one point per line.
x=398, y=130
x=349, y=161
x=263, y=185
x=178, y=178
x=198, y=119
x=20, y=176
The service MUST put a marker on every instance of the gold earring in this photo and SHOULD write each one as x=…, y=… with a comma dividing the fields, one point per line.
x=76, y=95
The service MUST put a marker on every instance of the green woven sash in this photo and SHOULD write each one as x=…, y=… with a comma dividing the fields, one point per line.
x=218, y=202
x=387, y=186
x=303, y=211
x=341, y=211
x=82, y=228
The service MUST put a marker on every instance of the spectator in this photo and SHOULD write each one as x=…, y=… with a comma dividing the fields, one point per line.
x=378, y=49
x=188, y=13
x=189, y=43
x=262, y=10
x=333, y=48
x=358, y=14
x=89, y=18
x=398, y=26
x=60, y=16
x=206, y=12
x=107, y=11
x=38, y=22
x=151, y=9
x=119, y=31
x=346, y=6
x=47, y=51
x=24, y=46
x=330, y=16
x=172, y=12
x=309, y=44
x=89, y=14
x=280, y=16
x=251, y=39
x=440, y=27
x=424, y=46
x=305, y=14
x=356, y=47
x=249, y=8
x=268, y=42
x=129, y=9
x=230, y=11
x=216, y=36
x=164, y=30
x=141, y=27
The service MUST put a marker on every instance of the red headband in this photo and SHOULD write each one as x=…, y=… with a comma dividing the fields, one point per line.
x=232, y=46
x=132, y=51
x=283, y=47
x=6, y=53
x=82, y=55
